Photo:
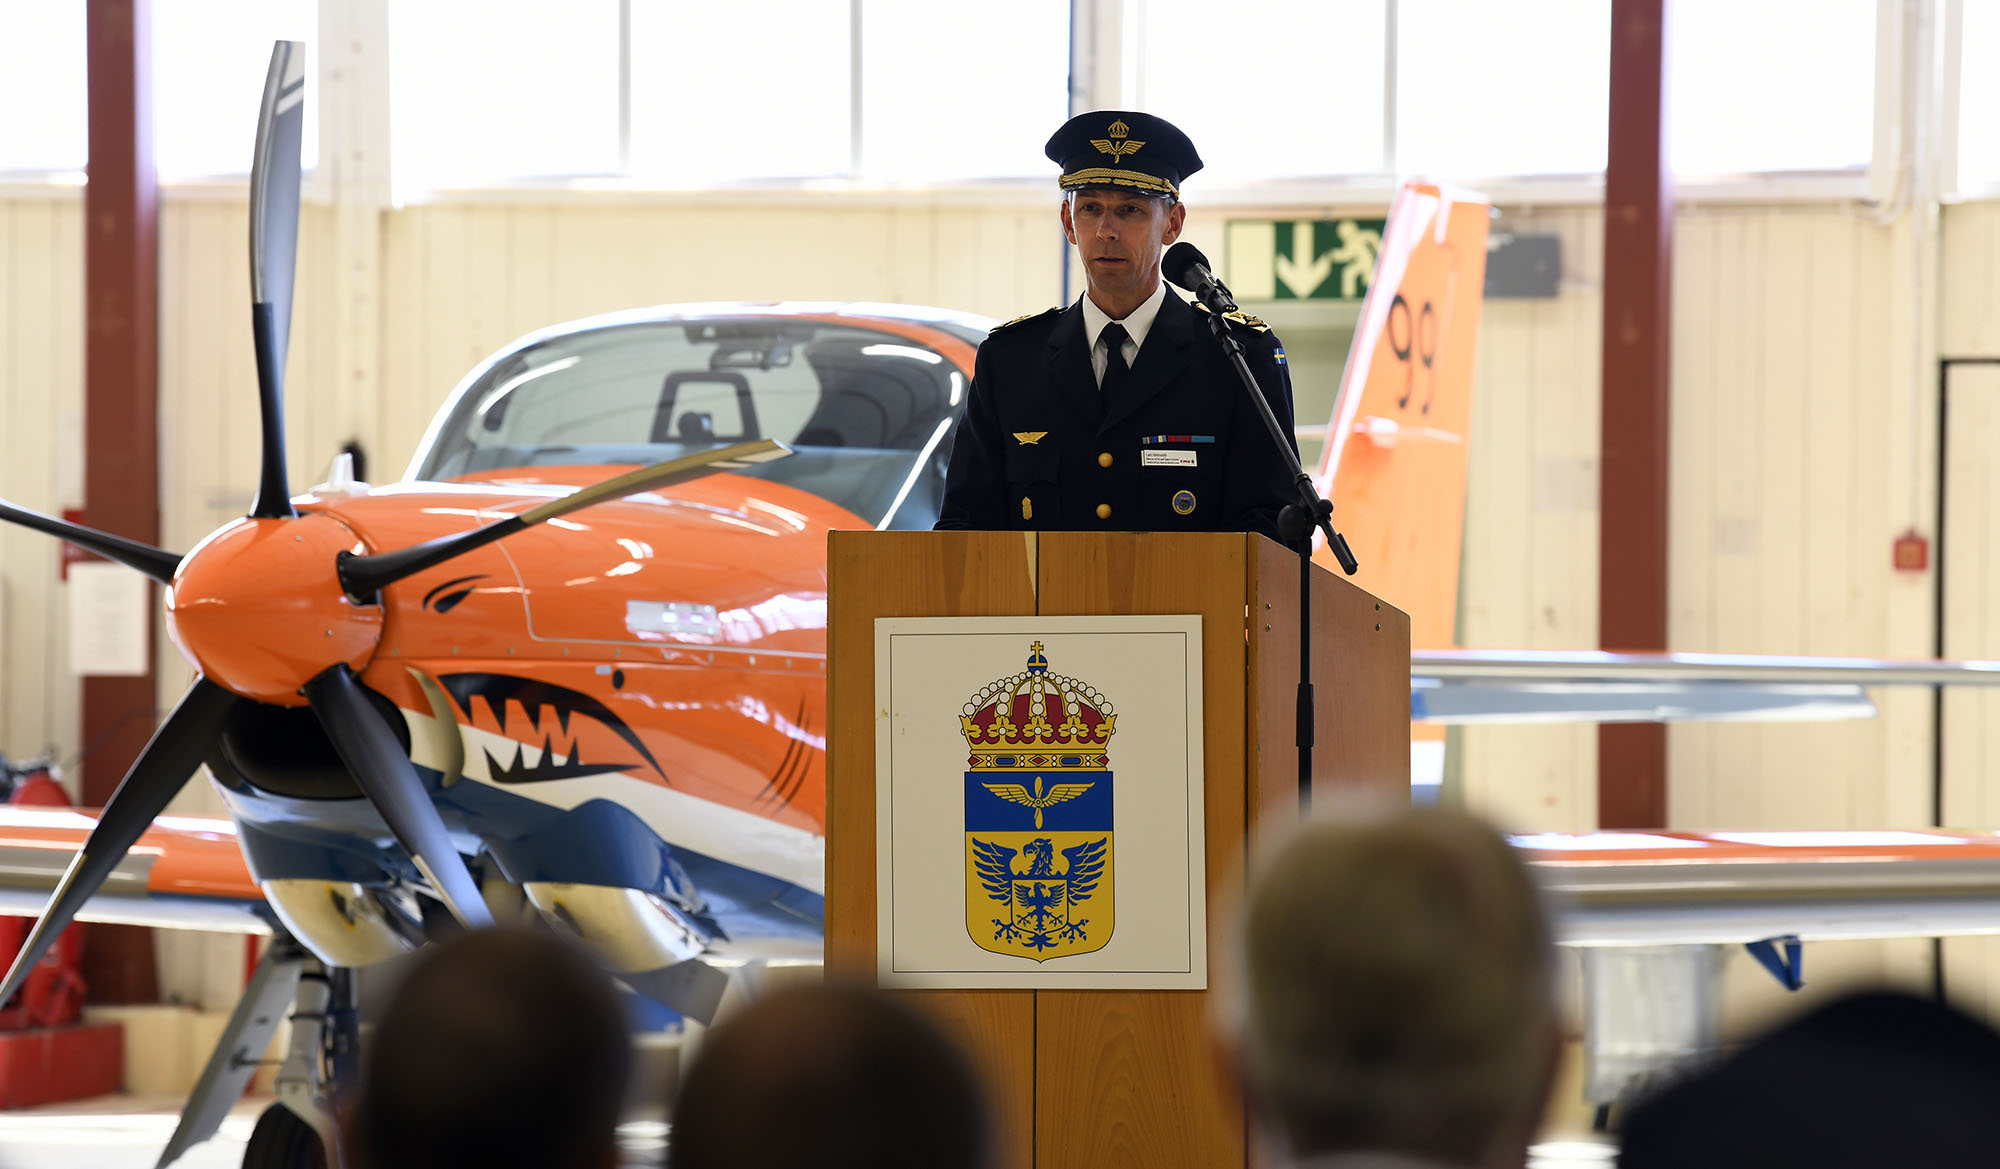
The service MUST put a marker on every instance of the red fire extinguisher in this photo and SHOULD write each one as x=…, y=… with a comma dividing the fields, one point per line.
x=53, y=993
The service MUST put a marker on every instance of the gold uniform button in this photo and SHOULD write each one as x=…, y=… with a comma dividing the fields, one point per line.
x=1104, y=511
x=1104, y=460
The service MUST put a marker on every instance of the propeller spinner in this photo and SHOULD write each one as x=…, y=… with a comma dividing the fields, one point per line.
x=309, y=620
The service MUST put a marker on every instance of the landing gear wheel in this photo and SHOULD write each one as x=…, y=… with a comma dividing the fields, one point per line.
x=282, y=1141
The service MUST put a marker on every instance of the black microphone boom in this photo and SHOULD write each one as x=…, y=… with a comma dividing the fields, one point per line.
x=1187, y=267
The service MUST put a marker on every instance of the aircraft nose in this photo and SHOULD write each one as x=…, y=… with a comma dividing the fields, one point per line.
x=258, y=608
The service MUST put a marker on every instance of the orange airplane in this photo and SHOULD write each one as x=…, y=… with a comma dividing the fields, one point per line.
x=550, y=677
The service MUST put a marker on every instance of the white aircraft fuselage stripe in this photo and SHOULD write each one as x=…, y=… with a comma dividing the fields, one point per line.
x=728, y=834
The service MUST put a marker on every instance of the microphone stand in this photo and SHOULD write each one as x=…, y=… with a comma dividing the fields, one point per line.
x=1295, y=523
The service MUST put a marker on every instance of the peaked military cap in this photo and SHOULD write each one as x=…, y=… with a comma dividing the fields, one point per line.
x=1123, y=148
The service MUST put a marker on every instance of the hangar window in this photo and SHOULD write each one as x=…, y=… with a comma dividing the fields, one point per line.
x=701, y=94
x=1267, y=88
x=1481, y=91
x=756, y=89
x=927, y=116
x=1978, y=101
x=41, y=69
x=1780, y=85
x=1486, y=91
x=787, y=68
x=502, y=89
x=208, y=54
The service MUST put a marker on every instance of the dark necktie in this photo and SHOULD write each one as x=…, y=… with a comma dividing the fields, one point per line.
x=1115, y=370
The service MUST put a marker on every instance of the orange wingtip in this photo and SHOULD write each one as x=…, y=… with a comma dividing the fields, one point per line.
x=1751, y=847
x=194, y=856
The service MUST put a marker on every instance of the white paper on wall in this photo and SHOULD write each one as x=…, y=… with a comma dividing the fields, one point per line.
x=110, y=619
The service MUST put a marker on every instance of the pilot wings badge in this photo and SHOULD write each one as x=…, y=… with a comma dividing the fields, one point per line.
x=1038, y=873
x=1118, y=146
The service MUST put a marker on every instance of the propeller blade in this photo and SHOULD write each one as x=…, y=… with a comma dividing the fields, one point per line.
x=274, y=250
x=154, y=562
x=159, y=773
x=364, y=576
x=376, y=759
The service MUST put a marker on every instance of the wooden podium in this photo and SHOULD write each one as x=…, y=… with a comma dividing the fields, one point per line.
x=1095, y=1079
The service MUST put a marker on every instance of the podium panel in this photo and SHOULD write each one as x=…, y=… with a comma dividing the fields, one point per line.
x=1095, y=1078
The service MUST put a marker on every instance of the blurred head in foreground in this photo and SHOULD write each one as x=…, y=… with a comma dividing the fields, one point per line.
x=502, y=1048
x=1870, y=1080
x=828, y=1077
x=1396, y=989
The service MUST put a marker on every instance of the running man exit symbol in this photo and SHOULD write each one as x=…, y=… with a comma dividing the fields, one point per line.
x=1324, y=259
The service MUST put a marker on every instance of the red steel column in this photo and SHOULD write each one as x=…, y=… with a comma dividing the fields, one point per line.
x=121, y=491
x=1638, y=253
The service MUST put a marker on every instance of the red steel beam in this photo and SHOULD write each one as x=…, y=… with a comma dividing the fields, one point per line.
x=1638, y=253
x=121, y=487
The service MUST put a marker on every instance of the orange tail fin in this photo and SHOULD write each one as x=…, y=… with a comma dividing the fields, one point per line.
x=1396, y=449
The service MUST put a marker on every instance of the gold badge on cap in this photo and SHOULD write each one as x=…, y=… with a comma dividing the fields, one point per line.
x=1117, y=146
x=1030, y=437
x=1184, y=502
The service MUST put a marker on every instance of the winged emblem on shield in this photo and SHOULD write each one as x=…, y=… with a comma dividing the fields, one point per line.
x=1038, y=803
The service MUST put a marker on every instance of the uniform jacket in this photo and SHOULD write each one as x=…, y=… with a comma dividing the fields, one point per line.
x=1180, y=450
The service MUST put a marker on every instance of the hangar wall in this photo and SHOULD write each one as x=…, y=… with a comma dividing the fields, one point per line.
x=1791, y=417
x=41, y=382
x=1794, y=444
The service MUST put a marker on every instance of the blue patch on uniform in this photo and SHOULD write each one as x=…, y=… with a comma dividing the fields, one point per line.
x=1281, y=357
x=1184, y=502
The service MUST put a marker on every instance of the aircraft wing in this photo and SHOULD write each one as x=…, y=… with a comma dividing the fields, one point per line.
x=1472, y=686
x=186, y=872
x=1674, y=888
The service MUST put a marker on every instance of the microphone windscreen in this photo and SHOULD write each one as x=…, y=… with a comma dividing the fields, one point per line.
x=1180, y=262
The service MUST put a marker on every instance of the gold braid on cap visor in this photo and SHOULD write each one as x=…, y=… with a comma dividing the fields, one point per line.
x=1116, y=176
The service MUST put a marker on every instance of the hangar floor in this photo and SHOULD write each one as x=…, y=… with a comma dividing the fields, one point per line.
x=123, y=1132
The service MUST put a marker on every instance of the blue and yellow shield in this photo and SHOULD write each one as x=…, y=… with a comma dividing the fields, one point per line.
x=1038, y=807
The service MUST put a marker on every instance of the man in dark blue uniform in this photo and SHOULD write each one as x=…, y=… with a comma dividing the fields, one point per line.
x=1120, y=412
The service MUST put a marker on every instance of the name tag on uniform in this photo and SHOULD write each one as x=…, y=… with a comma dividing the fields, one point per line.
x=1160, y=458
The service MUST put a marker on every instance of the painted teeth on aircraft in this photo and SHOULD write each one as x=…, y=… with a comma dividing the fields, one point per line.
x=550, y=768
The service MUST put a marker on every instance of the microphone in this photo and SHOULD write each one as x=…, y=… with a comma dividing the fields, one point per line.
x=1187, y=267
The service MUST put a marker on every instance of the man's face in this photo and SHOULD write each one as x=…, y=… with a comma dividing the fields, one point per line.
x=1119, y=235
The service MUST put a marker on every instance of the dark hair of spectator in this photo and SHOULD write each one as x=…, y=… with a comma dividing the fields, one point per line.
x=829, y=1077
x=502, y=1049
x=1871, y=1080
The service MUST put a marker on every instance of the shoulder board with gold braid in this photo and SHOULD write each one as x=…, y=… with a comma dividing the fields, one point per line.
x=1017, y=320
x=1239, y=316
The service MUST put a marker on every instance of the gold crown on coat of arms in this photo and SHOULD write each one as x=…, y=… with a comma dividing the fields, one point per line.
x=1036, y=720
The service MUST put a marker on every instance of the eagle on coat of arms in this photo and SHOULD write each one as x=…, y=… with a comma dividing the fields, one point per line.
x=1038, y=786
x=1041, y=903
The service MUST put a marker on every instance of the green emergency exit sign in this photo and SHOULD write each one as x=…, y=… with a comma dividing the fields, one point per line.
x=1300, y=259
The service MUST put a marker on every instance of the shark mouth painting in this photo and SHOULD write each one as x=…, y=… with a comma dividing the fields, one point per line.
x=540, y=700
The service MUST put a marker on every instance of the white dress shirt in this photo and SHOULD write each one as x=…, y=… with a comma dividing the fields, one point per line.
x=1136, y=324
